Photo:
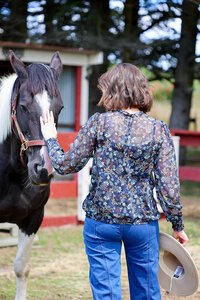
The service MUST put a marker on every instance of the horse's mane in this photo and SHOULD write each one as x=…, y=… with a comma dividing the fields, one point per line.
x=6, y=87
x=41, y=78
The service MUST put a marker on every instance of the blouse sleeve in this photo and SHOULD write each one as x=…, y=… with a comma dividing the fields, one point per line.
x=80, y=150
x=167, y=180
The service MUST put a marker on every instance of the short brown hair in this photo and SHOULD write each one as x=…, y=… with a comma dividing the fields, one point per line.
x=124, y=86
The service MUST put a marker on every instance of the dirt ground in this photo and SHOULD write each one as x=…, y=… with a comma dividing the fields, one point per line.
x=42, y=267
x=191, y=209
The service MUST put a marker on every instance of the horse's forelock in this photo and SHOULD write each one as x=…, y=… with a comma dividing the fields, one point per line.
x=6, y=89
x=41, y=78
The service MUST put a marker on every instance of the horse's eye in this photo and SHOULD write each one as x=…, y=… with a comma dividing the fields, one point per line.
x=26, y=132
x=23, y=108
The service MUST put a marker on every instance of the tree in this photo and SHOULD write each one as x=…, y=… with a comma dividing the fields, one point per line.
x=184, y=74
x=13, y=20
x=130, y=35
x=50, y=9
x=118, y=32
x=98, y=31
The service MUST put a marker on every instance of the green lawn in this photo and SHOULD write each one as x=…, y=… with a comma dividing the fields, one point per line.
x=59, y=264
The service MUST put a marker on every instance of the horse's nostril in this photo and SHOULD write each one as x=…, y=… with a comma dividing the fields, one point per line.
x=38, y=168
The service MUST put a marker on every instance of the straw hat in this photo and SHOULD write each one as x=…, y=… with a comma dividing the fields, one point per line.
x=177, y=271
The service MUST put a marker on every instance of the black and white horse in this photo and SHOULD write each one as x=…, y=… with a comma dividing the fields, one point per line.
x=25, y=169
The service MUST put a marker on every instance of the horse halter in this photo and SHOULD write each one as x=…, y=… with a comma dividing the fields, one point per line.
x=25, y=144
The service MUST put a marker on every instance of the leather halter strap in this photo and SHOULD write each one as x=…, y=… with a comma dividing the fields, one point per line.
x=25, y=144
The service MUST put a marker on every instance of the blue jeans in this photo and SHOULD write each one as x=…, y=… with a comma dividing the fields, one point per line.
x=103, y=244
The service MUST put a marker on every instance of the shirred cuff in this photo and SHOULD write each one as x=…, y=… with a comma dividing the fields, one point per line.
x=178, y=226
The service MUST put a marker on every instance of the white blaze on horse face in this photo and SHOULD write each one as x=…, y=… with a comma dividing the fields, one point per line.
x=43, y=100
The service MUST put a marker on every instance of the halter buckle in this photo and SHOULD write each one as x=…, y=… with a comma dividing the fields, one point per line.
x=24, y=146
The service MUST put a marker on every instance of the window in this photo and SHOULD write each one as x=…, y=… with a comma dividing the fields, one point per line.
x=67, y=90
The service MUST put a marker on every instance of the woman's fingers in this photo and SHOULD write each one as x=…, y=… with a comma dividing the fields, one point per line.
x=41, y=121
x=51, y=117
x=44, y=118
x=48, y=127
x=48, y=117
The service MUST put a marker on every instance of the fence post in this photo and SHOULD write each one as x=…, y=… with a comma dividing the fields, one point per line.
x=83, y=189
x=12, y=239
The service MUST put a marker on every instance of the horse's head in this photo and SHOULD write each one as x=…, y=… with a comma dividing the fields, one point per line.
x=35, y=91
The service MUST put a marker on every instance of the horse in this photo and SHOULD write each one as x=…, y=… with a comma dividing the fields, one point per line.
x=25, y=168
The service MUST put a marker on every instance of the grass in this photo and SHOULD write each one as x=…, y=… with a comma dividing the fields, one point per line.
x=191, y=227
x=193, y=156
x=189, y=188
x=59, y=267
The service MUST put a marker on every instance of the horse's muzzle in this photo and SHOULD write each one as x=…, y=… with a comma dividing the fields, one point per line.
x=38, y=175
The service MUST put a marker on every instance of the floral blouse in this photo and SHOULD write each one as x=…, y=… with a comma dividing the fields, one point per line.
x=132, y=154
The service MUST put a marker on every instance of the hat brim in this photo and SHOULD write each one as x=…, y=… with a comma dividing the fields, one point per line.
x=172, y=255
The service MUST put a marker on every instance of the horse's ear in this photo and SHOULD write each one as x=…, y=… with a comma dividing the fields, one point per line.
x=56, y=64
x=18, y=66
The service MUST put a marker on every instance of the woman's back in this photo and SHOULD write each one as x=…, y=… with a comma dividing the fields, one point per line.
x=125, y=157
x=129, y=140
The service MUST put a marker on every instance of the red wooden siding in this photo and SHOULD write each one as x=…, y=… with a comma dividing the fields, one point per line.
x=65, y=189
x=188, y=138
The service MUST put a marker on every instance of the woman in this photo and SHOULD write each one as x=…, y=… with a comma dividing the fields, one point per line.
x=132, y=153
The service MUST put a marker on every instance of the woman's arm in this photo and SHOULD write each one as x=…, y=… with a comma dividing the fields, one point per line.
x=167, y=184
x=80, y=150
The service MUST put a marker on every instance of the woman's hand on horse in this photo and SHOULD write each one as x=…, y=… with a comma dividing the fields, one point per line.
x=48, y=126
